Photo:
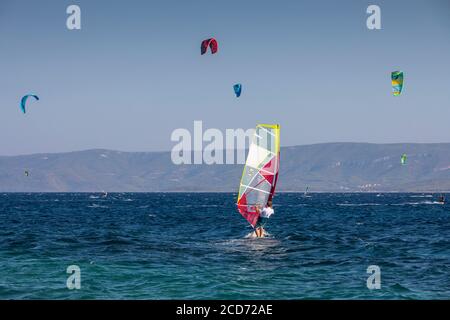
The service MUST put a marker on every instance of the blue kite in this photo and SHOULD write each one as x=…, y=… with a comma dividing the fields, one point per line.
x=23, y=102
x=237, y=89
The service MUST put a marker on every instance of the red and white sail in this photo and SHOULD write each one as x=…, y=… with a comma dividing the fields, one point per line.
x=260, y=174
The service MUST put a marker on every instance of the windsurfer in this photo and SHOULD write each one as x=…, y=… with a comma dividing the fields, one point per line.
x=263, y=217
x=442, y=199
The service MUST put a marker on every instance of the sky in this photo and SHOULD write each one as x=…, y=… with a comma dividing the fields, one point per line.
x=133, y=73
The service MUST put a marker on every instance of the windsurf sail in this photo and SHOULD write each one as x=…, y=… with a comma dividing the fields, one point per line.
x=306, y=191
x=403, y=159
x=260, y=174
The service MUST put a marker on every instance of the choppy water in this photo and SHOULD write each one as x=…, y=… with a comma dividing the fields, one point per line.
x=193, y=246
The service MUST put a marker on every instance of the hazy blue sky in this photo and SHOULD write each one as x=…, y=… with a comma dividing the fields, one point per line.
x=134, y=72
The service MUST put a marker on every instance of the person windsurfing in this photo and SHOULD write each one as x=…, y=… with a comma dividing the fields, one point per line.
x=263, y=217
x=441, y=199
x=259, y=177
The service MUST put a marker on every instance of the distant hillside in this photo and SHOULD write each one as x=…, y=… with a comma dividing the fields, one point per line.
x=329, y=167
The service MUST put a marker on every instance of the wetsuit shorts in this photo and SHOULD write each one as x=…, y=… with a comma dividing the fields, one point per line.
x=261, y=222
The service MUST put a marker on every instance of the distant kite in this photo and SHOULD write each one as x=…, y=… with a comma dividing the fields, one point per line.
x=27, y=173
x=211, y=43
x=237, y=89
x=397, y=82
x=23, y=102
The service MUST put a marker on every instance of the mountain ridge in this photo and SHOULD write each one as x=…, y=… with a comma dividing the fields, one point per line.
x=324, y=167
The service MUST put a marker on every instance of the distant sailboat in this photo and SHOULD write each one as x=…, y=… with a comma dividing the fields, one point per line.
x=306, y=193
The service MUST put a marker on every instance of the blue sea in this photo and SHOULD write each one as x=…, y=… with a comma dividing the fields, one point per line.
x=194, y=246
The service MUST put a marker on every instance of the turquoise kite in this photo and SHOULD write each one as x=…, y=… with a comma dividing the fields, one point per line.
x=237, y=89
x=23, y=102
x=397, y=82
